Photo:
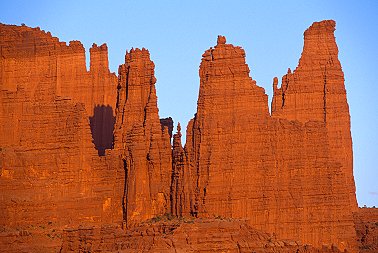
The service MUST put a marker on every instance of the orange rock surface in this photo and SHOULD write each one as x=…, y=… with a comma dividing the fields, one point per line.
x=49, y=68
x=50, y=169
x=204, y=235
x=283, y=175
x=85, y=151
x=366, y=221
x=182, y=181
x=143, y=148
x=316, y=91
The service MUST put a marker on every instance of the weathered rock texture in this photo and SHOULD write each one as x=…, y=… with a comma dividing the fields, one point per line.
x=289, y=173
x=315, y=91
x=284, y=174
x=215, y=235
x=366, y=221
x=167, y=122
x=143, y=147
x=50, y=170
x=182, y=181
x=51, y=68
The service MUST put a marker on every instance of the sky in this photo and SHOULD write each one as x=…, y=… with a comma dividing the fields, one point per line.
x=271, y=32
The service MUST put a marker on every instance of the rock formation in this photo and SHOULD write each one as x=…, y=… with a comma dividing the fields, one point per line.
x=85, y=150
x=144, y=149
x=51, y=68
x=316, y=91
x=182, y=181
x=366, y=221
x=280, y=173
x=202, y=235
x=167, y=122
x=50, y=171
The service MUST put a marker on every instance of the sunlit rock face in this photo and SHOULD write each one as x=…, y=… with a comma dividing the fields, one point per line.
x=290, y=172
x=140, y=141
x=87, y=164
x=50, y=168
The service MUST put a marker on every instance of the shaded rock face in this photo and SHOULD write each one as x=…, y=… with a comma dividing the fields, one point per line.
x=140, y=142
x=167, y=122
x=284, y=174
x=102, y=127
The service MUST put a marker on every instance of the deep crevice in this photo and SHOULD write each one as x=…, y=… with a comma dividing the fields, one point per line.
x=124, y=198
x=325, y=94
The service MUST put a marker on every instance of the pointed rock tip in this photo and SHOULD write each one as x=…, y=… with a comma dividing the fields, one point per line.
x=104, y=46
x=76, y=44
x=96, y=48
x=275, y=81
x=178, y=127
x=322, y=26
x=221, y=40
x=137, y=51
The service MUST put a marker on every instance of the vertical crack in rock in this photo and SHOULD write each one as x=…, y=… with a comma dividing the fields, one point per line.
x=124, y=198
x=325, y=94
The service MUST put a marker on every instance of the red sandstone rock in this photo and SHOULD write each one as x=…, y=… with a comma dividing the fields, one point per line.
x=366, y=221
x=288, y=174
x=50, y=68
x=316, y=91
x=181, y=188
x=144, y=149
x=167, y=122
x=215, y=235
x=281, y=175
x=50, y=170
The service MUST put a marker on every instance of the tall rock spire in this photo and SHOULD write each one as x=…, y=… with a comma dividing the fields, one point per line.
x=181, y=187
x=316, y=91
x=144, y=148
x=279, y=172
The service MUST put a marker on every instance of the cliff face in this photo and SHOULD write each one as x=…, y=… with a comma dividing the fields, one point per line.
x=143, y=147
x=283, y=175
x=202, y=235
x=49, y=68
x=288, y=173
x=316, y=91
x=50, y=171
x=366, y=221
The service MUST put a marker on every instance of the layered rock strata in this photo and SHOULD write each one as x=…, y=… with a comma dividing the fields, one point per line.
x=214, y=235
x=51, y=68
x=281, y=174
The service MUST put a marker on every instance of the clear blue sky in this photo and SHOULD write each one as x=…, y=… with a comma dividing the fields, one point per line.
x=271, y=32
